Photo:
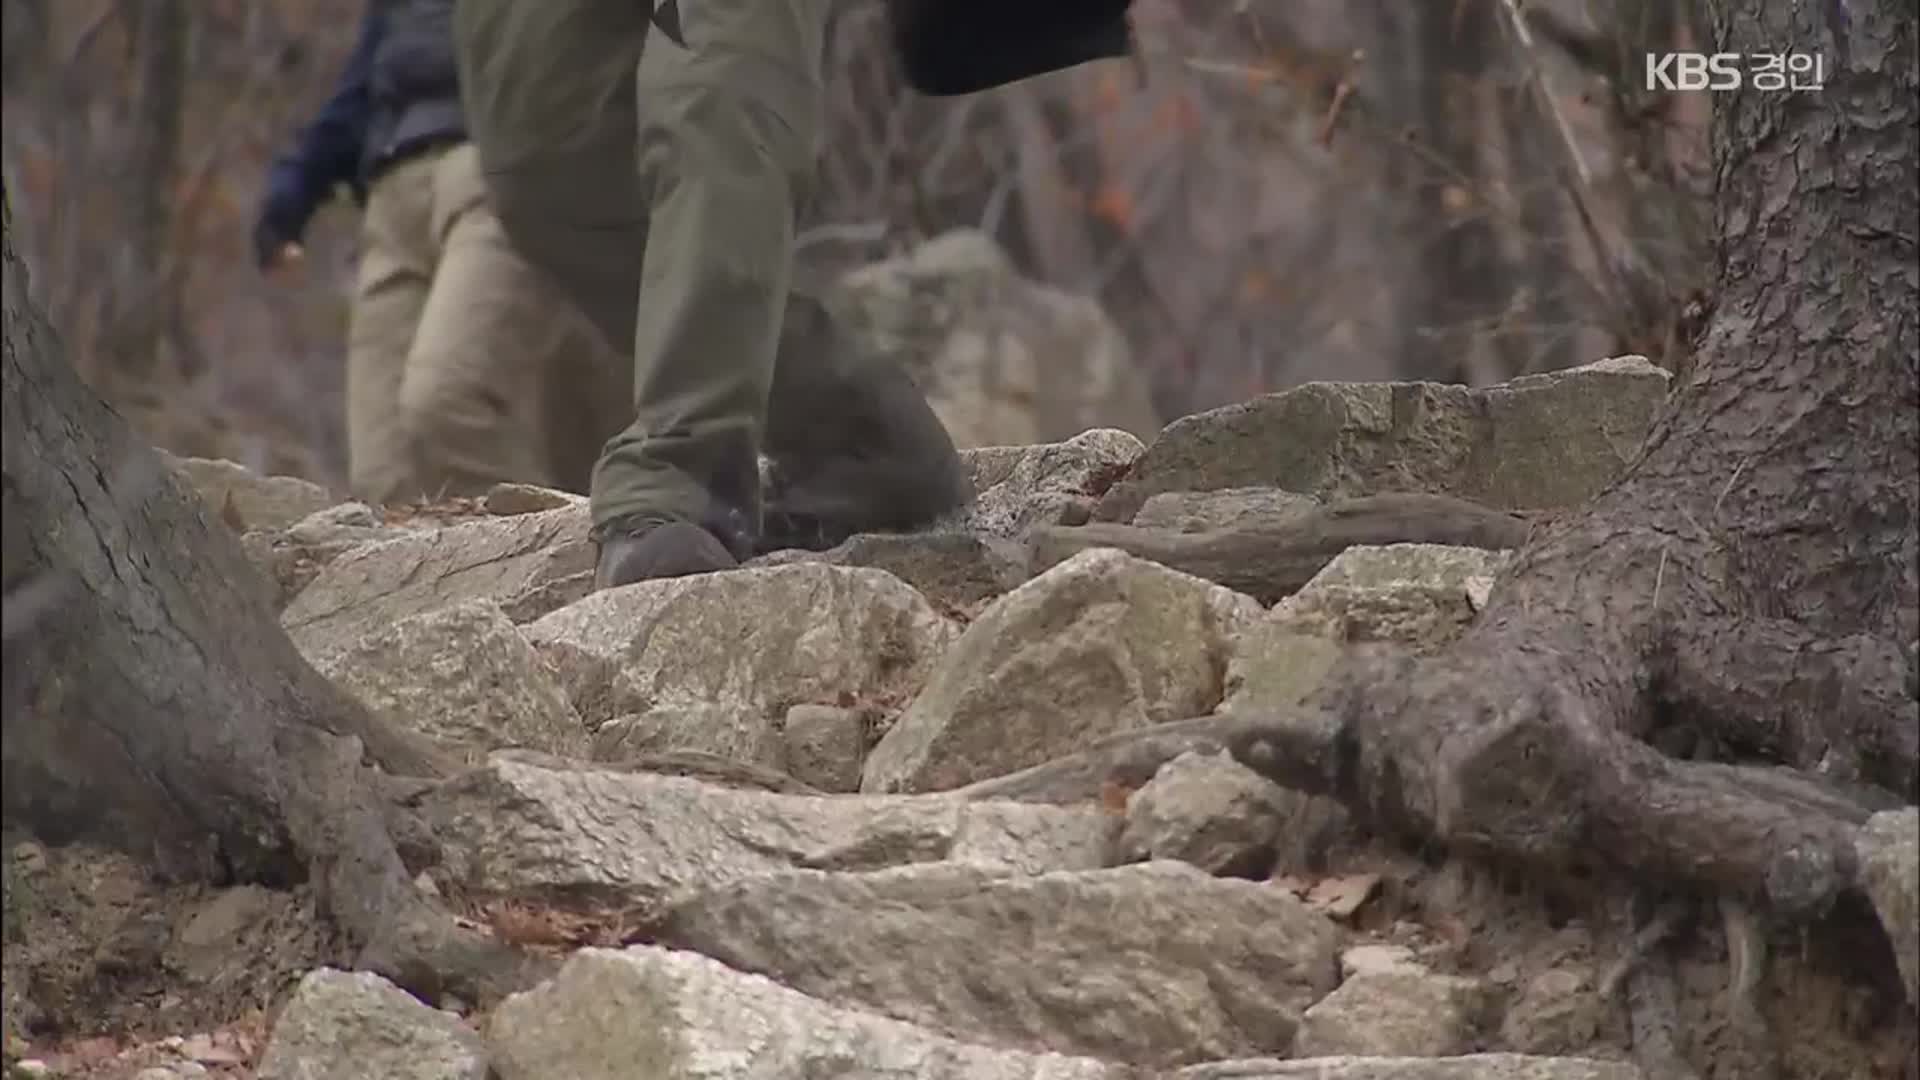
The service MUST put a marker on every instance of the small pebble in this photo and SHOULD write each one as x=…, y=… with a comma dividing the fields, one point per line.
x=510, y=499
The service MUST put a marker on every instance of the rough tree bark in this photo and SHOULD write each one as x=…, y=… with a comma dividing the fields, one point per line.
x=153, y=701
x=160, y=32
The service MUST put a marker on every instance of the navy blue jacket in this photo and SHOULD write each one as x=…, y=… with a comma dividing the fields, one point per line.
x=329, y=151
x=398, y=94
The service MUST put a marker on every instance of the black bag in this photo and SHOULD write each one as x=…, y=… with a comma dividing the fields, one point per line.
x=964, y=46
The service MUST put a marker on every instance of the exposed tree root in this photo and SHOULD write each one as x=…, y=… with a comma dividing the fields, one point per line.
x=155, y=703
x=1645, y=970
x=336, y=815
x=1511, y=747
x=1641, y=941
x=1653, y=1012
x=1747, y=963
x=1495, y=750
x=1271, y=558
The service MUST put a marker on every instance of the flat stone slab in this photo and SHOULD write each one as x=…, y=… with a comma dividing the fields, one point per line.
x=1157, y=964
x=635, y=840
x=1537, y=442
x=648, y=1013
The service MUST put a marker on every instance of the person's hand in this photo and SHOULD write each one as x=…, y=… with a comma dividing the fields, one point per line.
x=272, y=249
x=276, y=233
x=283, y=258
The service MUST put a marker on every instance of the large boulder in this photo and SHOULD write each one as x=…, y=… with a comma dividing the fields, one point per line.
x=647, y=1013
x=1210, y=811
x=1100, y=644
x=747, y=734
x=1002, y=360
x=1421, y=595
x=247, y=500
x=1151, y=965
x=713, y=662
x=464, y=677
x=343, y=1025
x=1020, y=487
x=1537, y=442
x=525, y=831
x=1203, y=511
x=1418, y=595
x=955, y=569
x=528, y=564
x=1411, y=1013
x=825, y=745
x=292, y=557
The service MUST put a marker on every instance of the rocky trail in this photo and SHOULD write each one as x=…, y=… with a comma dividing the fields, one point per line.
x=919, y=807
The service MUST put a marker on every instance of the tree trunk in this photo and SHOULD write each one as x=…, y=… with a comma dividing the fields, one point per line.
x=149, y=312
x=153, y=701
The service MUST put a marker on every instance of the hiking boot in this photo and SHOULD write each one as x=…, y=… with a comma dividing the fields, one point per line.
x=650, y=548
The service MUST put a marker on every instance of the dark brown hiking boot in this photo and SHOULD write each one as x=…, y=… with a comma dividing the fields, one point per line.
x=649, y=548
x=854, y=446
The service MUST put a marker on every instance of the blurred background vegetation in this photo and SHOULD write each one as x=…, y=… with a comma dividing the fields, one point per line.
x=1459, y=190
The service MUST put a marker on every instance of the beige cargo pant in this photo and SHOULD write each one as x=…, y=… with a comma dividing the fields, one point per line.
x=465, y=364
x=602, y=142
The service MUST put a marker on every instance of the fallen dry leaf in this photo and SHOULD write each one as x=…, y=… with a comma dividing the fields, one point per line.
x=1298, y=886
x=1340, y=897
x=525, y=924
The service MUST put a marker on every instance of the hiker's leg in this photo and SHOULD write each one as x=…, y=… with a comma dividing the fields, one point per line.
x=396, y=267
x=473, y=400
x=727, y=130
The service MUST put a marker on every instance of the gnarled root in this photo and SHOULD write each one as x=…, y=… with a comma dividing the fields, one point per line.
x=1653, y=1011
x=1523, y=748
x=1747, y=963
x=1268, y=558
x=338, y=819
x=1521, y=745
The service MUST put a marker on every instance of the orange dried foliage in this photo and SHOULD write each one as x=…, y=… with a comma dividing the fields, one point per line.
x=1114, y=205
x=1175, y=116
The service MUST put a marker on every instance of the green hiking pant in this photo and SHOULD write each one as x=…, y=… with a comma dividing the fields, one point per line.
x=659, y=185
